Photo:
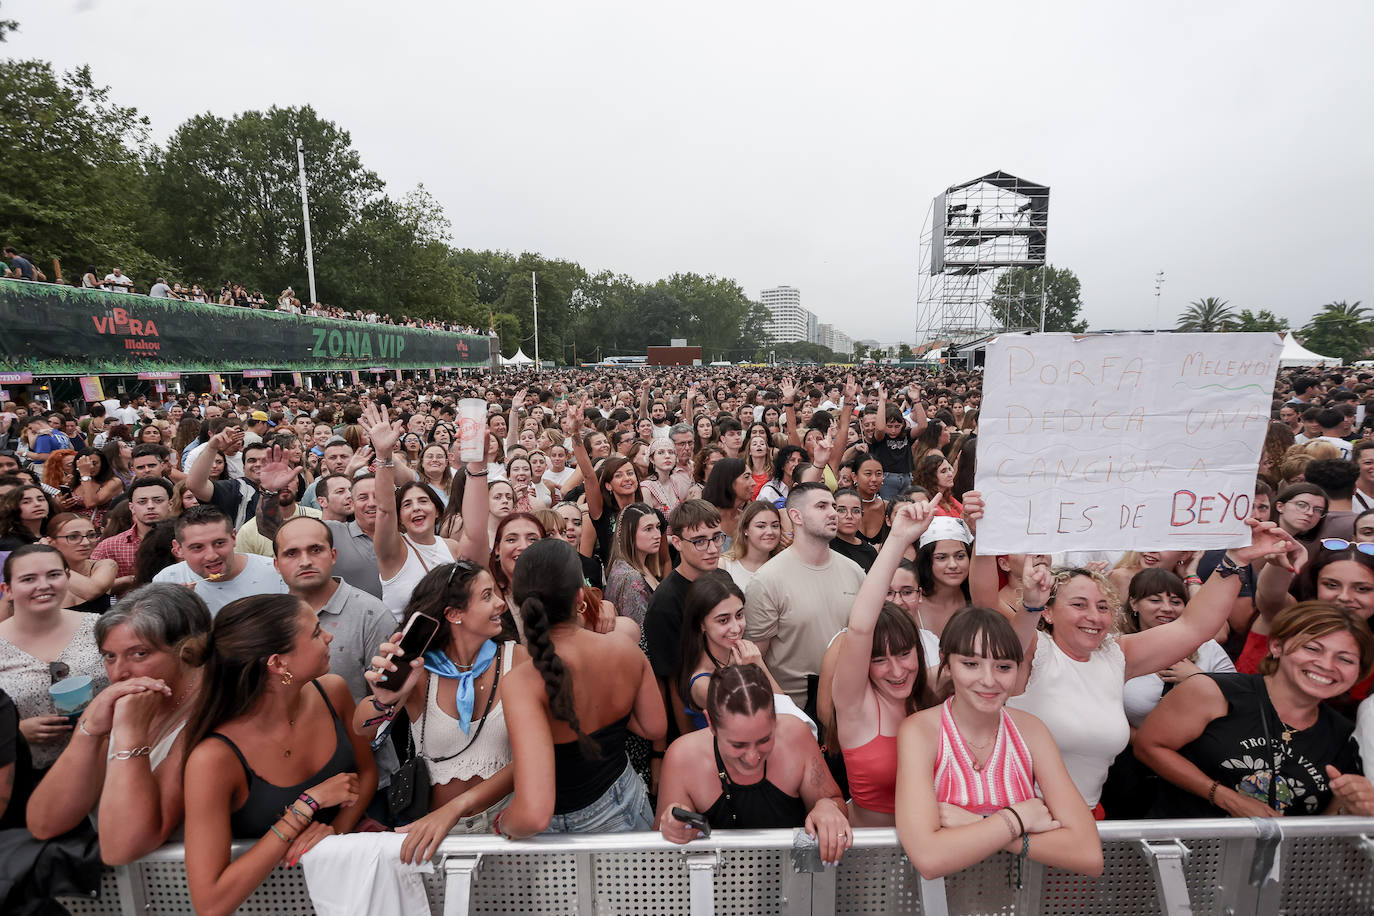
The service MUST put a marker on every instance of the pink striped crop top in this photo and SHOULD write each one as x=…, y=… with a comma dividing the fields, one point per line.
x=1007, y=777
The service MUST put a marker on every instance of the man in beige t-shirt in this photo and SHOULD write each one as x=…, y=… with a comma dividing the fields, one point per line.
x=801, y=598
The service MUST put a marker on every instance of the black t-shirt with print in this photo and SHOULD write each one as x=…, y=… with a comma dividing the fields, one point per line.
x=894, y=453
x=1233, y=751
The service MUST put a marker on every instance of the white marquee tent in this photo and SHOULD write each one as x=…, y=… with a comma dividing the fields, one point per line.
x=1295, y=354
x=519, y=359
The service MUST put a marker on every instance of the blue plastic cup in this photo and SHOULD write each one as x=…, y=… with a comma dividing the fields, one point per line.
x=72, y=694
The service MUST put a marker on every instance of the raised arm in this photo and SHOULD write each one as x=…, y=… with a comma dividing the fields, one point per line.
x=909, y=522
x=1161, y=646
x=880, y=428
x=386, y=537
x=982, y=578
x=513, y=421
x=1274, y=581
x=841, y=428
x=474, y=544
x=788, y=388
x=198, y=478
x=584, y=463
x=918, y=420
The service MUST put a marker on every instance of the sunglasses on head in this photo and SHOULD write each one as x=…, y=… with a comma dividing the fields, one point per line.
x=466, y=566
x=1343, y=544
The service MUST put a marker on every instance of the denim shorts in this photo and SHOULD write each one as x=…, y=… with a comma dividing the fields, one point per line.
x=481, y=822
x=622, y=808
x=893, y=484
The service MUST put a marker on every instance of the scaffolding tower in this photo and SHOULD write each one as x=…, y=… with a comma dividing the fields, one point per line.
x=974, y=233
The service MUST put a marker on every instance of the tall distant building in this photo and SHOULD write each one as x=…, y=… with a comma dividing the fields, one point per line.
x=835, y=339
x=788, y=322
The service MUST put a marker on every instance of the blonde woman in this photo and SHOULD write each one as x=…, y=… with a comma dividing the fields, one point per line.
x=757, y=539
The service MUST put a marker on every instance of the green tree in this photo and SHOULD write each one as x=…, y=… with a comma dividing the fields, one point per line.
x=1343, y=330
x=904, y=351
x=753, y=330
x=1206, y=315
x=508, y=329
x=229, y=199
x=1015, y=301
x=557, y=281
x=801, y=351
x=710, y=312
x=860, y=351
x=396, y=257
x=71, y=180
x=603, y=309
x=1263, y=320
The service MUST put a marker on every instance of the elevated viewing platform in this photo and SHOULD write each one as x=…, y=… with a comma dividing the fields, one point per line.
x=55, y=331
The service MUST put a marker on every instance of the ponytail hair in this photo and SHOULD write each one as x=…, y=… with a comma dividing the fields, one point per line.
x=546, y=586
x=244, y=635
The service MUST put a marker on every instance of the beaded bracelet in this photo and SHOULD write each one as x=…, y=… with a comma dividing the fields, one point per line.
x=1212, y=793
x=1019, y=823
x=1008, y=821
x=281, y=836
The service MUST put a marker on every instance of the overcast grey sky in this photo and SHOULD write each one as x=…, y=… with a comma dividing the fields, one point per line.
x=1227, y=144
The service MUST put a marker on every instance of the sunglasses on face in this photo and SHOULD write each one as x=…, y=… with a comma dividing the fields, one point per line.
x=1343, y=544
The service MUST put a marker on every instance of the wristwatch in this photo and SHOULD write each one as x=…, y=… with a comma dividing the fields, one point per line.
x=86, y=477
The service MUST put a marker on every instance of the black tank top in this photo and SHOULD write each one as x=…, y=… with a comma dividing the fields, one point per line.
x=265, y=802
x=578, y=781
x=756, y=806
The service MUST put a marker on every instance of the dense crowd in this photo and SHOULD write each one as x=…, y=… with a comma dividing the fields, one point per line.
x=17, y=266
x=674, y=599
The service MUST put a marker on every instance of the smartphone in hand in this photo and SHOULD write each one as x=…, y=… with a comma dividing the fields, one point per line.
x=692, y=819
x=415, y=638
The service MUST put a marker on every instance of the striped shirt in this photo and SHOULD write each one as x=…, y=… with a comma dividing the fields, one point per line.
x=1007, y=777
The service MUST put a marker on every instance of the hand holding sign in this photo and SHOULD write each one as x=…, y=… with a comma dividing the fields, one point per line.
x=1122, y=441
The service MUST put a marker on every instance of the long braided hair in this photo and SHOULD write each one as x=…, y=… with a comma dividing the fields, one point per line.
x=548, y=578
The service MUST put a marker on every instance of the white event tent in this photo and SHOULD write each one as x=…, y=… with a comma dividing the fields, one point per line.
x=1295, y=354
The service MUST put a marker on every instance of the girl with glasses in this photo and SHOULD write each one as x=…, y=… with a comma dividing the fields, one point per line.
x=89, y=586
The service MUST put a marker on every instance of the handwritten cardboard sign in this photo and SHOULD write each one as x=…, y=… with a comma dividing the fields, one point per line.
x=1122, y=441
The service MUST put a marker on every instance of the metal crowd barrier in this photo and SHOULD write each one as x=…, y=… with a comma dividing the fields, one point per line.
x=1322, y=866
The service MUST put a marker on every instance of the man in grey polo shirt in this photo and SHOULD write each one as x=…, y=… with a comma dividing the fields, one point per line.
x=304, y=555
x=356, y=563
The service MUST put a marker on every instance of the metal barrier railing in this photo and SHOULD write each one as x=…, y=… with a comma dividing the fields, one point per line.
x=1308, y=865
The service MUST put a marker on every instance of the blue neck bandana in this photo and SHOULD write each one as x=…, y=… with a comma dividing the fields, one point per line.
x=440, y=664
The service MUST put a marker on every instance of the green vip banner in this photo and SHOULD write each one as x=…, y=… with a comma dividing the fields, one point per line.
x=60, y=330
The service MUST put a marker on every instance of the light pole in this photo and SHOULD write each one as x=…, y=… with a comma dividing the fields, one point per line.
x=305, y=211
x=1159, y=286
x=534, y=288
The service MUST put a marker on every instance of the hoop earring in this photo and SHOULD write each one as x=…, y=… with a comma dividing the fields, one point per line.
x=287, y=678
